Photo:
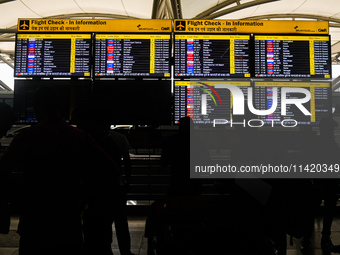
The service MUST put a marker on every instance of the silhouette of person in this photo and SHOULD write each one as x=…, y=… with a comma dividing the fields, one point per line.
x=176, y=154
x=278, y=200
x=253, y=149
x=7, y=119
x=96, y=122
x=326, y=151
x=63, y=168
x=322, y=150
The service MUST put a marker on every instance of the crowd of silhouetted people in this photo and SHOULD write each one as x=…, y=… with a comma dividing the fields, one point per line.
x=75, y=184
x=72, y=189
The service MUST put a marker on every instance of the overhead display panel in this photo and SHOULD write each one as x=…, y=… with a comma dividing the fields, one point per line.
x=251, y=26
x=147, y=102
x=95, y=25
x=319, y=105
x=72, y=94
x=206, y=101
x=201, y=48
x=292, y=56
x=208, y=55
x=52, y=55
x=125, y=55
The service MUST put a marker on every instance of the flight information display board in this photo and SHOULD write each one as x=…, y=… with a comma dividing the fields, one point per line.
x=126, y=55
x=146, y=102
x=205, y=101
x=212, y=55
x=52, y=55
x=319, y=104
x=281, y=56
x=71, y=93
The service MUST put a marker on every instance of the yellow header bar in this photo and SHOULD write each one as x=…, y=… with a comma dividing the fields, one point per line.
x=251, y=26
x=257, y=84
x=292, y=38
x=133, y=36
x=293, y=84
x=95, y=25
x=54, y=36
x=182, y=83
x=213, y=37
x=212, y=83
x=180, y=26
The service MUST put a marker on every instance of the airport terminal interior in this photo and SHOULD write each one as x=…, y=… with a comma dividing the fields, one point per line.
x=240, y=93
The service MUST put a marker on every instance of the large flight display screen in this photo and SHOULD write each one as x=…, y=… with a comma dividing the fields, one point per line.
x=319, y=105
x=206, y=101
x=212, y=55
x=52, y=55
x=145, y=102
x=71, y=93
x=126, y=55
x=281, y=56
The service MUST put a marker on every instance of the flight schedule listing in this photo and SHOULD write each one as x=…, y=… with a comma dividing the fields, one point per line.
x=319, y=104
x=205, y=101
x=53, y=55
x=292, y=56
x=132, y=55
x=212, y=55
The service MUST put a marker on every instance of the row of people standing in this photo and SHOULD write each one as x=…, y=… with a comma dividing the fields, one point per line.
x=68, y=174
x=294, y=203
x=72, y=188
x=291, y=204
